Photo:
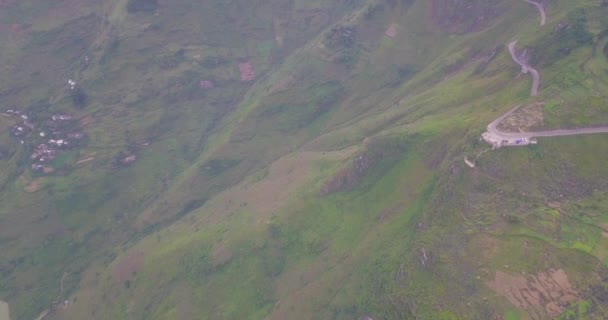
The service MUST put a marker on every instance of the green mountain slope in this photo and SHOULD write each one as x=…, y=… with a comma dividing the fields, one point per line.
x=301, y=160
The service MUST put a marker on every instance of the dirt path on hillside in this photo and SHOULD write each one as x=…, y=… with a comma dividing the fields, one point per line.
x=58, y=300
x=541, y=10
x=43, y=314
x=525, y=68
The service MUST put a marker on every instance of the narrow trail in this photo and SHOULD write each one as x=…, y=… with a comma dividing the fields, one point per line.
x=541, y=10
x=57, y=301
x=525, y=68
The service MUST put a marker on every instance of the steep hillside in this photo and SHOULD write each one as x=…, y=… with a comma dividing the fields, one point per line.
x=301, y=160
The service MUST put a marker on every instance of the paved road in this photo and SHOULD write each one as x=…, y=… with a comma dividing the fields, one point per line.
x=541, y=10
x=502, y=135
x=498, y=138
x=525, y=68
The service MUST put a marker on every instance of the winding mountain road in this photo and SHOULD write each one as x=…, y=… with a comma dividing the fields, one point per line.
x=498, y=138
x=541, y=10
x=525, y=68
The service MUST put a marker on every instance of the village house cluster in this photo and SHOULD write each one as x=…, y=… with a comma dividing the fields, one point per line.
x=24, y=127
x=53, y=136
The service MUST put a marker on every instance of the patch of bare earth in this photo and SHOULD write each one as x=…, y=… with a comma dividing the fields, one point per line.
x=221, y=255
x=128, y=265
x=86, y=120
x=547, y=293
x=604, y=227
x=33, y=186
x=525, y=119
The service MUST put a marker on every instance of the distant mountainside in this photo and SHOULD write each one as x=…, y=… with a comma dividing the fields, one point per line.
x=302, y=159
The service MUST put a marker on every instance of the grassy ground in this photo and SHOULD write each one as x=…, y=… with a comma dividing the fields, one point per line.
x=222, y=215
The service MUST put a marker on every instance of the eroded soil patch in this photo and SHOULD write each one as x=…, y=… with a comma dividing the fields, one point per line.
x=33, y=186
x=546, y=292
x=221, y=255
x=604, y=227
x=525, y=119
x=127, y=266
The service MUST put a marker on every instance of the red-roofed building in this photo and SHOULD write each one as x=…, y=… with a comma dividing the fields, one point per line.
x=391, y=32
x=247, y=71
